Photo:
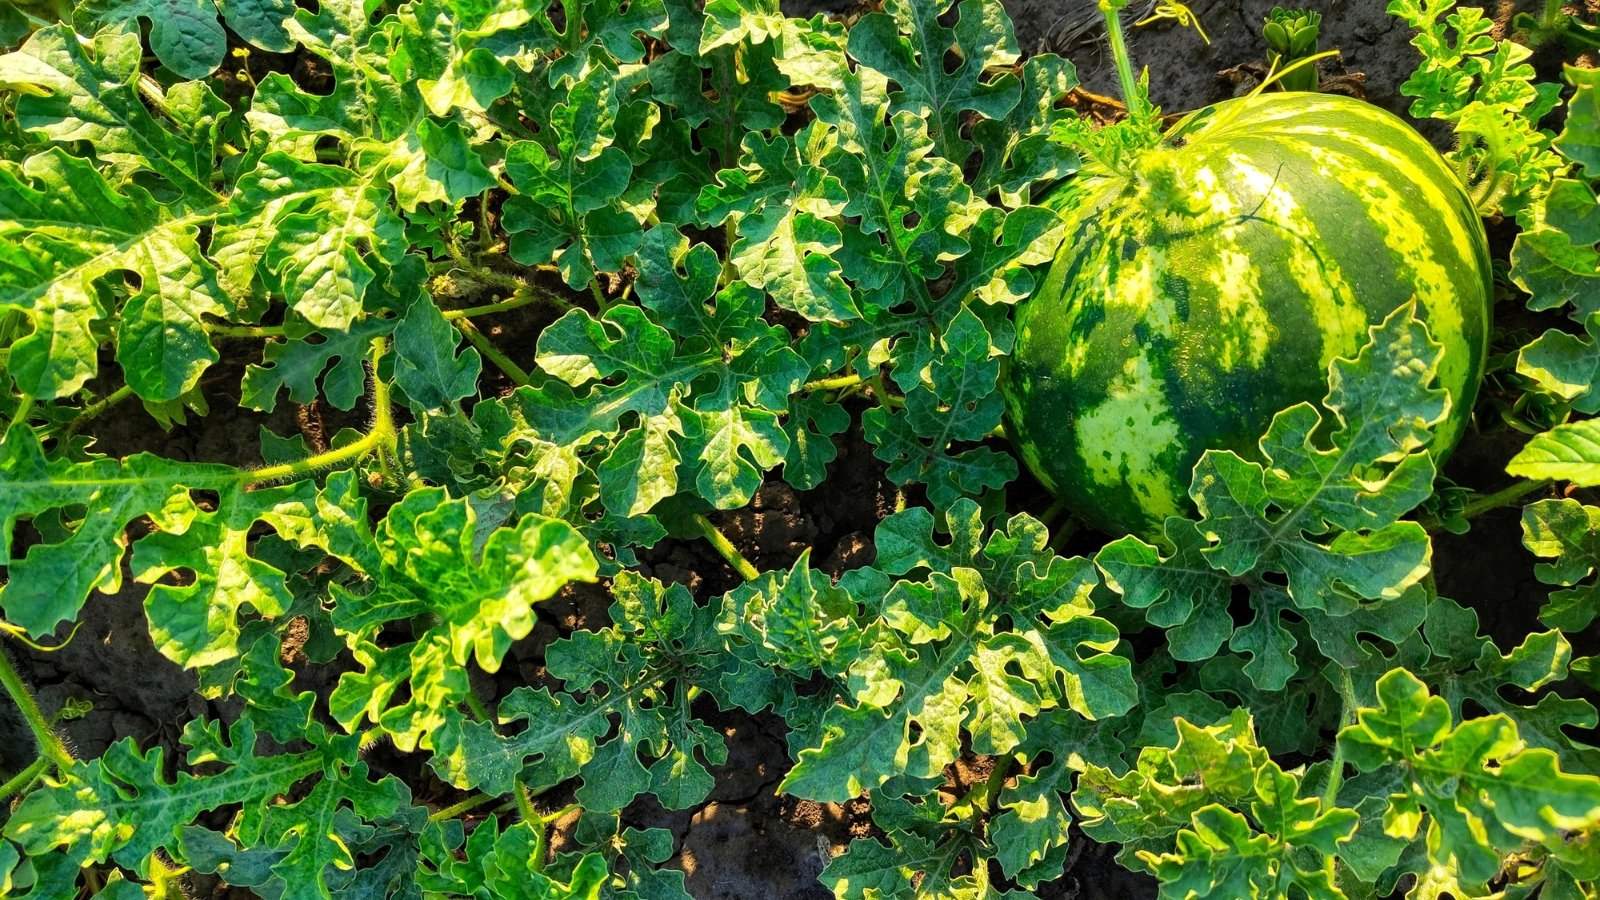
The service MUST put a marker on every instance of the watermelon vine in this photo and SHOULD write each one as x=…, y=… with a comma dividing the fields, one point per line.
x=419, y=377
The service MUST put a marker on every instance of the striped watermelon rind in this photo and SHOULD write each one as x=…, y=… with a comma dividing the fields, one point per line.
x=1211, y=285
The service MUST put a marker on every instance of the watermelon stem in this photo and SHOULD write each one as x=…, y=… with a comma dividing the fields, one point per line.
x=1485, y=502
x=1347, y=716
x=724, y=547
x=1132, y=97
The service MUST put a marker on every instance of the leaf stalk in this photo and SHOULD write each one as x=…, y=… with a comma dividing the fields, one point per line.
x=381, y=438
x=725, y=548
x=1506, y=496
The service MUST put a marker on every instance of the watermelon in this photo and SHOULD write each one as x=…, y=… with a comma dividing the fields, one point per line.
x=1209, y=283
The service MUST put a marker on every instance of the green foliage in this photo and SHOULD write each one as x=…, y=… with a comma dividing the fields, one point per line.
x=1485, y=89
x=1215, y=814
x=545, y=287
x=981, y=636
x=1476, y=791
x=1557, y=262
x=1316, y=531
x=1291, y=36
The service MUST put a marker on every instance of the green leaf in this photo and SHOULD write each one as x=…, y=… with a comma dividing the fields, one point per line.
x=502, y=863
x=437, y=165
x=915, y=208
x=197, y=623
x=1220, y=853
x=64, y=232
x=730, y=22
x=184, y=34
x=702, y=395
x=303, y=230
x=261, y=22
x=1578, y=138
x=49, y=583
x=1568, y=452
x=624, y=725
x=332, y=368
x=1032, y=825
x=449, y=53
x=782, y=206
x=1478, y=791
x=1568, y=533
x=474, y=600
x=122, y=807
x=1018, y=155
x=426, y=366
x=932, y=660
x=88, y=92
x=568, y=207
x=1486, y=89
x=908, y=44
x=1324, y=520
x=1565, y=365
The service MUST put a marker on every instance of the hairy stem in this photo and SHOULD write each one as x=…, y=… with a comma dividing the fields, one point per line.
x=725, y=548
x=94, y=409
x=1506, y=496
x=24, y=409
x=996, y=781
x=524, y=296
x=831, y=384
x=517, y=374
x=50, y=746
x=465, y=806
x=381, y=438
x=1051, y=512
x=1347, y=711
x=24, y=779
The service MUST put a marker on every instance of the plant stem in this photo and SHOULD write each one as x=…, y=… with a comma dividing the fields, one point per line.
x=1062, y=535
x=525, y=295
x=832, y=384
x=880, y=390
x=525, y=805
x=1503, y=497
x=478, y=339
x=24, y=779
x=562, y=813
x=1051, y=512
x=96, y=408
x=996, y=780
x=381, y=437
x=24, y=409
x=465, y=806
x=50, y=746
x=164, y=879
x=723, y=546
x=477, y=707
x=1486, y=502
x=1347, y=709
x=518, y=301
x=1131, y=97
